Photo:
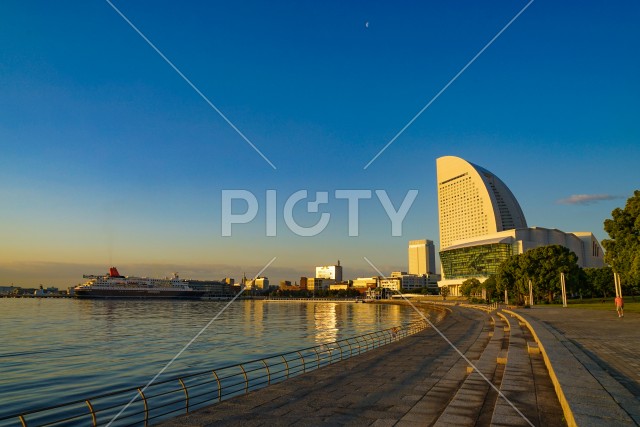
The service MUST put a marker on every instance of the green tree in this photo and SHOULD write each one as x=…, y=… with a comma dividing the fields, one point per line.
x=623, y=247
x=490, y=285
x=542, y=266
x=547, y=262
x=508, y=275
x=470, y=286
x=600, y=281
x=444, y=292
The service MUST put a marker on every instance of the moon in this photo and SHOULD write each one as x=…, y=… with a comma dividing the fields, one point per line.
x=366, y=24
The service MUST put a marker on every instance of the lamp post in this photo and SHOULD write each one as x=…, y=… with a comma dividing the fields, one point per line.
x=564, y=290
x=617, y=284
x=530, y=293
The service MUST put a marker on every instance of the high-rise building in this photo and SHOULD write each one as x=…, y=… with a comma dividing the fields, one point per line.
x=482, y=224
x=333, y=272
x=422, y=257
x=473, y=202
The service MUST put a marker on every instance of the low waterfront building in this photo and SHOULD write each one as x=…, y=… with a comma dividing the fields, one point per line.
x=403, y=280
x=303, y=283
x=391, y=283
x=9, y=290
x=42, y=292
x=366, y=282
x=259, y=283
x=342, y=286
x=316, y=284
x=212, y=288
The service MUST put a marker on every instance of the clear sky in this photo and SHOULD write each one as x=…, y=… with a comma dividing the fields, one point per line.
x=107, y=155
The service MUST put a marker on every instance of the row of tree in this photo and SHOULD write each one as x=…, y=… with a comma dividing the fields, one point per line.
x=542, y=267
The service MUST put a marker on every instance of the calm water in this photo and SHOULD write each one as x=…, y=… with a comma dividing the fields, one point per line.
x=56, y=350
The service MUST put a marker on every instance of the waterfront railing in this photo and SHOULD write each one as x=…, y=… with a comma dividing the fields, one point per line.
x=142, y=406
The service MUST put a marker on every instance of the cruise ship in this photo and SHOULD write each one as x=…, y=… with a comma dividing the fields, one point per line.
x=114, y=285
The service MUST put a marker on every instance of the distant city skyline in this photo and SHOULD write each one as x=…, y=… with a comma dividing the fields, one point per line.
x=109, y=157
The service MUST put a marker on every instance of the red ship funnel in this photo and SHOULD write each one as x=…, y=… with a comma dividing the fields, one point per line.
x=113, y=272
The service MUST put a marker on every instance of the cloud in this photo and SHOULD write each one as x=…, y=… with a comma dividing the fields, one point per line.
x=586, y=199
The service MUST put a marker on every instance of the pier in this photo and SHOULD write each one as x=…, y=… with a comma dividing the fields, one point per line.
x=555, y=366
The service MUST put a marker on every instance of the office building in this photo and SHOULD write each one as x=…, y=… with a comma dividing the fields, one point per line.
x=333, y=272
x=422, y=257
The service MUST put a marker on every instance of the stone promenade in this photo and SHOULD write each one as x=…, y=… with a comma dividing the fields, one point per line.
x=595, y=356
x=552, y=366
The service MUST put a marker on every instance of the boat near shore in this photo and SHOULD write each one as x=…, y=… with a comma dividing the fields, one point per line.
x=114, y=285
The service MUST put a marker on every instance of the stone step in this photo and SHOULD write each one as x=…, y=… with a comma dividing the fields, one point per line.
x=465, y=407
x=517, y=387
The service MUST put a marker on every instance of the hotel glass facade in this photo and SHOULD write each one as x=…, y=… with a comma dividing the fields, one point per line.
x=474, y=261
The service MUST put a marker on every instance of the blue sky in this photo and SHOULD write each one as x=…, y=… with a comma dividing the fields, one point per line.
x=108, y=157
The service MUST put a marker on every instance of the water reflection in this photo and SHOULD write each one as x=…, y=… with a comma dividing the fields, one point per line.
x=58, y=350
x=325, y=318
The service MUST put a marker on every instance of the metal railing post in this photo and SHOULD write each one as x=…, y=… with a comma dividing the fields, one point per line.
x=304, y=365
x=246, y=380
x=186, y=394
x=268, y=372
x=373, y=344
x=94, y=419
x=219, y=386
x=378, y=338
x=286, y=364
x=146, y=407
x=317, y=356
x=359, y=345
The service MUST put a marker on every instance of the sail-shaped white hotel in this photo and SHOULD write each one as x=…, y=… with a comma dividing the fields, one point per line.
x=482, y=224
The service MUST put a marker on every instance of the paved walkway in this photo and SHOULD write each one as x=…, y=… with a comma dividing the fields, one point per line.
x=410, y=383
x=422, y=381
x=606, y=348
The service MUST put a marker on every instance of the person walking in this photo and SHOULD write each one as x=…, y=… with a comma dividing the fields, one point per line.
x=620, y=306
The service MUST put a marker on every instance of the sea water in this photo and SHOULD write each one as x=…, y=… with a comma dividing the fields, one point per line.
x=53, y=351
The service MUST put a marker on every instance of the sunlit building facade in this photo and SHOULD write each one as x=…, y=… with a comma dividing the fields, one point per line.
x=332, y=272
x=481, y=225
x=422, y=257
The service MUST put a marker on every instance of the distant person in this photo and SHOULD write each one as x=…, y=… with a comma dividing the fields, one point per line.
x=620, y=306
